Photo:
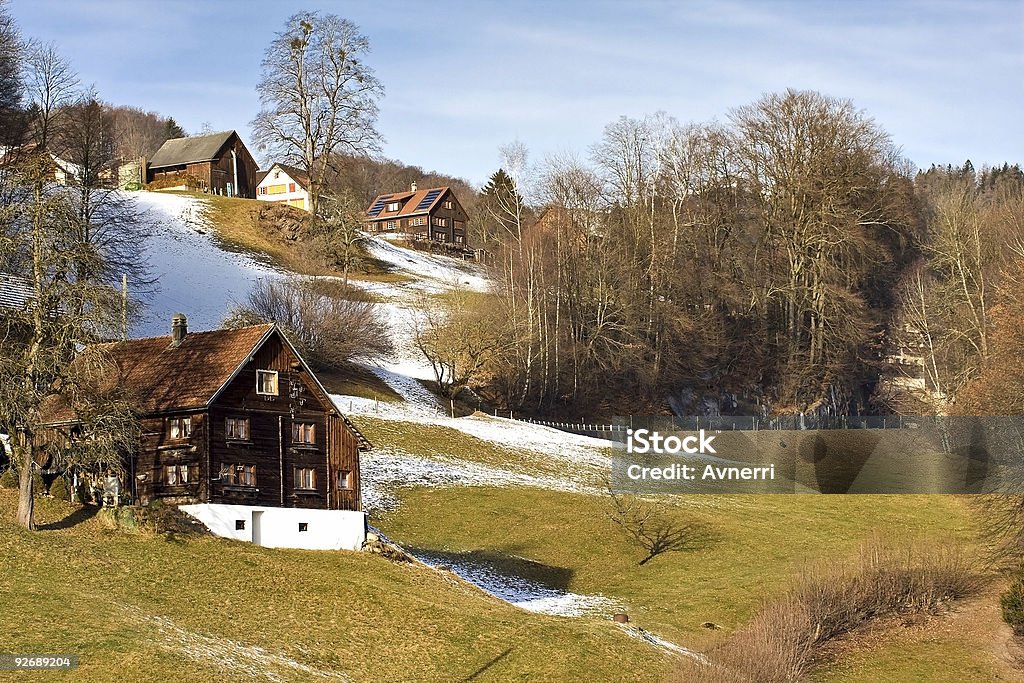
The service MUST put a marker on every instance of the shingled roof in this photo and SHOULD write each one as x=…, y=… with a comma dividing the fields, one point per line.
x=191, y=150
x=163, y=378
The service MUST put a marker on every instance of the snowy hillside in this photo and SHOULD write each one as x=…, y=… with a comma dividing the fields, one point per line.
x=194, y=275
x=198, y=277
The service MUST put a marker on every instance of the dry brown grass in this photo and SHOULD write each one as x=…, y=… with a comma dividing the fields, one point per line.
x=779, y=644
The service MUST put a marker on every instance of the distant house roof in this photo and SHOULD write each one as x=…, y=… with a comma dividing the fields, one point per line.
x=191, y=150
x=409, y=203
x=294, y=172
x=15, y=291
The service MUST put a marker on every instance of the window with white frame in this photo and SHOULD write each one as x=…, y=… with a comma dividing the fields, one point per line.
x=305, y=478
x=236, y=428
x=393, y=206
x=266, y=382
x=179, y=428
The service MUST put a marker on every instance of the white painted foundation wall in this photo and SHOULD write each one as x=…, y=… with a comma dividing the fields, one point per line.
x=279, y=527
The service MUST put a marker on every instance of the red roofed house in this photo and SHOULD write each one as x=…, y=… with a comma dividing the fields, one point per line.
x=238, y=431
x=431, y=214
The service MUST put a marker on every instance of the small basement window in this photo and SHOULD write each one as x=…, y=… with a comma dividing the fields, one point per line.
x=303, y=526
x=266, y=382
x=239, y=525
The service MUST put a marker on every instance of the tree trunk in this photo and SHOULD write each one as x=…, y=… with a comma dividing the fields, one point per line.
x=25, y=499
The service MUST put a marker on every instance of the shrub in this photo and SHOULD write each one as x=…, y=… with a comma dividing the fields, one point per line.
x=39, y=487
x=60, y=490
x=1012, y=602
x=328, y=328
x=778, y=645
x=9, y=479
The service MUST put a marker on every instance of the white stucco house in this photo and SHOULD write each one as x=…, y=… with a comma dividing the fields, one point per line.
x=284, y=184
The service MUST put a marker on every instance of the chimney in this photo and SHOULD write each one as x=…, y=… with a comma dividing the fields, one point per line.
x=179, y=328
x=413, y=187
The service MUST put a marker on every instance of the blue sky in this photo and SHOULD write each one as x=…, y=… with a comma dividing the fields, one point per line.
x=946, y=79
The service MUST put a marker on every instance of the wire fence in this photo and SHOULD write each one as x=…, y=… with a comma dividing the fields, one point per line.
x=753, y=423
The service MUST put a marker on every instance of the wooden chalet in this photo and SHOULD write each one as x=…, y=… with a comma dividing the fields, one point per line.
x=433, y=214
x=234, y=417
x=218, y=161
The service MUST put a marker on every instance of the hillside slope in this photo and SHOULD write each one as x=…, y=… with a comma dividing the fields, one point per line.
x=145, y=607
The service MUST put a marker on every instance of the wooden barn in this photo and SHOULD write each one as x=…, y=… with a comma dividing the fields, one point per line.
x=219, y=162
x=234, y=417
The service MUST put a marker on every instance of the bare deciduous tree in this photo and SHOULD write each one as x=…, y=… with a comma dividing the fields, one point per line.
x=652, y=525
x=51, y=84
x=318, y=96
x=41, y=340
x=459, y=335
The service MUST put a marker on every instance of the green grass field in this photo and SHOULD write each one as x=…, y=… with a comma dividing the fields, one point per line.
x=143, y=608
x=745, y=549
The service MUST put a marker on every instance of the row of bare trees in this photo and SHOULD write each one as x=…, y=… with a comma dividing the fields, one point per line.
x=767, y=262
x=66, y=248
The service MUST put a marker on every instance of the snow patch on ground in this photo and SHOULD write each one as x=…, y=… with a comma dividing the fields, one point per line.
x=194, y=275
x=431, y=272
x=666, y=645
x=234, y=658
x=383, y=471
x=520, y=592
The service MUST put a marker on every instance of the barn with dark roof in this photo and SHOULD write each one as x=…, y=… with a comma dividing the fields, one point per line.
x=217, y=162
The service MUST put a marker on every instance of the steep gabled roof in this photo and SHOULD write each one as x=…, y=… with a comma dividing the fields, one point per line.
x=161, y=378
x=410, y=203
x=191, y=150
x=188, y=376
x=294, y=172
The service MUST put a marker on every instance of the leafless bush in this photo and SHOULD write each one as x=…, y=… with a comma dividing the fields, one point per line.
x=827, y=602
x=653, y=525
x=329, y=326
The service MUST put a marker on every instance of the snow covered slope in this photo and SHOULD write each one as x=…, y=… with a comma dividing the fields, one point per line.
x=198, y=277
x=194, y=275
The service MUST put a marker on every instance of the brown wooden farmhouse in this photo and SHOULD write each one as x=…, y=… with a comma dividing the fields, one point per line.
x=218, y=161
x=235, y=417
x=432, y=214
